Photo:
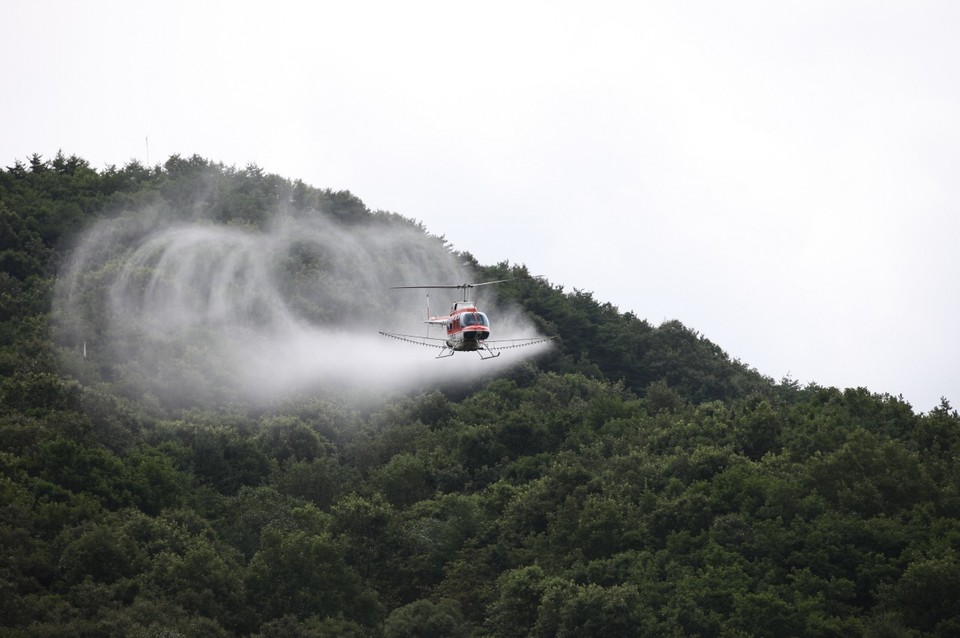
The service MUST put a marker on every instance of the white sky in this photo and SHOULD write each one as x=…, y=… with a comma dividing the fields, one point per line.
x=780, y=176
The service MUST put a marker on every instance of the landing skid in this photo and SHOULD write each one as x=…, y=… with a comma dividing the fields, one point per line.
x=449, y=352
x=490, y=353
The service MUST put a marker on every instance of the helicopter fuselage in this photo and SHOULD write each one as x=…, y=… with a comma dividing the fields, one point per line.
x=467, y=328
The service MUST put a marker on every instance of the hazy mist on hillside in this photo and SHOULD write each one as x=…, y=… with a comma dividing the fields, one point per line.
x=191, y=311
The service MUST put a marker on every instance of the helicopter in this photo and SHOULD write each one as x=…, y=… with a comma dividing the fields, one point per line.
x=467, y=329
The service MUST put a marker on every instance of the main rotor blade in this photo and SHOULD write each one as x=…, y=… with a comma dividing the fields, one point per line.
x=487, y=283
x=467, y=285
x=428, y=287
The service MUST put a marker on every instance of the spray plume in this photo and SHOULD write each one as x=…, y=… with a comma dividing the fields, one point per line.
x=196, y=313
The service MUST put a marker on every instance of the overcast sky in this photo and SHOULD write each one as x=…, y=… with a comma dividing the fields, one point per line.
x=780, y=176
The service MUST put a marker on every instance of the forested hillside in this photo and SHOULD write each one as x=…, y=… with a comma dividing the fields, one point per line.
x=632, y=481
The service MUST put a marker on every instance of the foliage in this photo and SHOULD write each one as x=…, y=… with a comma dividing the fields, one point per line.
x=635, y=481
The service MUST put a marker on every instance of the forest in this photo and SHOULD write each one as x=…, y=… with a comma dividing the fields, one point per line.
x=634, y=480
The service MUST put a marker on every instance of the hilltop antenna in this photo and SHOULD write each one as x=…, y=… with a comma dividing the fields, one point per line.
x=147, y=142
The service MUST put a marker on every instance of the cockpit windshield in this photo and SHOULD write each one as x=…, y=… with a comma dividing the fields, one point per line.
x=474, y=319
